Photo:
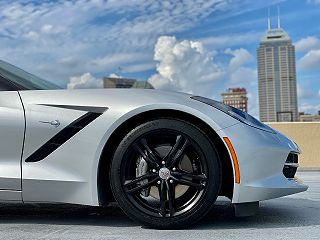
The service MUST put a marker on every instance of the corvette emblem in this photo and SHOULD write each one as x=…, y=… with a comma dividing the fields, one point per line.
x=164, y=173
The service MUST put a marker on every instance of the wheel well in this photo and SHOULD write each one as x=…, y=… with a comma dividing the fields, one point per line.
x=104, y=190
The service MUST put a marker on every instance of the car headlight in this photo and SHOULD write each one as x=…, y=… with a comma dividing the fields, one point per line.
x=235, y=113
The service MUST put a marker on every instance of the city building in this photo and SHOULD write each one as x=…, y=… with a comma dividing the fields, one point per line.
x=236, y=97
x=142, y=84
x=309, y=117
x=110, y=82
x=277, y=76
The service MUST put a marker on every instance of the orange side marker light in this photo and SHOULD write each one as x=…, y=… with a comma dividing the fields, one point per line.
x=234, y=159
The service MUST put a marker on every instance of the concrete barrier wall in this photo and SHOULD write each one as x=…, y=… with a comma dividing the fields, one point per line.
x=307, y=136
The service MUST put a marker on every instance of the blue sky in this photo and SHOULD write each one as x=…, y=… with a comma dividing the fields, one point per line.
x=197, y=46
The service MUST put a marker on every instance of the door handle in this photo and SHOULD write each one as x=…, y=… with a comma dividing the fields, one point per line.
x=54, y=123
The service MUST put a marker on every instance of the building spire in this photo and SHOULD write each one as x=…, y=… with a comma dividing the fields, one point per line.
x=269, y=25
x=279, y=18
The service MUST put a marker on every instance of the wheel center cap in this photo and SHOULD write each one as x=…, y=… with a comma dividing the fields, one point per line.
x=164, y=173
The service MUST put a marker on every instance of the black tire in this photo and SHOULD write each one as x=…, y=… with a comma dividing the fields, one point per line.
x=180, y=179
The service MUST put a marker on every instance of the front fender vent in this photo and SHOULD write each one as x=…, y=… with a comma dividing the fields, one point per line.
x=61, y=137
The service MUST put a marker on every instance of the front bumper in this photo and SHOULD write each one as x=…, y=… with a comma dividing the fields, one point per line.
x=261, y=156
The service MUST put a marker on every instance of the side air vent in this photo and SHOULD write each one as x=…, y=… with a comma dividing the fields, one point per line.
x=291, y=165
x=63, y=136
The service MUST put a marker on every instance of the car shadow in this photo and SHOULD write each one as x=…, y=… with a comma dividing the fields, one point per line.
x=64, y=214
x=279, y=213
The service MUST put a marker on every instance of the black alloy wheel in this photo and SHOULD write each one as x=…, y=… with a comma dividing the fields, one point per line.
x=165, y=174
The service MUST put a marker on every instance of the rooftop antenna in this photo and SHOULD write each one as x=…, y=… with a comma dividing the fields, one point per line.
x=269, y=25
x=278, y=17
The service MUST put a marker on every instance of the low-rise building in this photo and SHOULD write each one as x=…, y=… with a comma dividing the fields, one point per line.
x=236, y=97
x=111, y=82
x=309, y=117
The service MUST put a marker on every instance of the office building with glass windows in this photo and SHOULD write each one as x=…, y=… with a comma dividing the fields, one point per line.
x=277, y=77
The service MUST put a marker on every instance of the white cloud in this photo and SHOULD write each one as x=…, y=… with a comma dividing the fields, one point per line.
x=185, y=66
x=307, y=44
x=240, y=57
x=49, y=29
x=96, y=36
x=85, y=81
x=79, y=36
x=238, y=72
x=31, y=35
x=310, y=60
x=114, y=75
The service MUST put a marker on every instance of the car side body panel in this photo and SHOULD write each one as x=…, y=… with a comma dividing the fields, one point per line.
x=69, y=174
x=12, y=126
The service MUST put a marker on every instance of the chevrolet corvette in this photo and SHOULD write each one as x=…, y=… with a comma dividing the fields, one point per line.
x=163, y=156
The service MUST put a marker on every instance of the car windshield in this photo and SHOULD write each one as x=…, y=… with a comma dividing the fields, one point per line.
x=24, y=79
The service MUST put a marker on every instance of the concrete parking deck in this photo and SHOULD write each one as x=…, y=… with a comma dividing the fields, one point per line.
x=293, y=217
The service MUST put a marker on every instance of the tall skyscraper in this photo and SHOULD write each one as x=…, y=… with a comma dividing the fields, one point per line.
x=277, y=76
x=236, y=97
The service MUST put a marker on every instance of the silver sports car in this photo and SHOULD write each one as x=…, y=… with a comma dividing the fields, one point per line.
x=164, y=157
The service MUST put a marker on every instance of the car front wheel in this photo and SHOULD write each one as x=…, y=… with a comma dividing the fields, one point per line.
x=165, y=174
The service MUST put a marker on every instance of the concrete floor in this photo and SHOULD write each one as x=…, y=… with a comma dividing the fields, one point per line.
x=292, y=217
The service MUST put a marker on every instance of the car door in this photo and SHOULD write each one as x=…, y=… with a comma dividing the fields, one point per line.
x=12, y=127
